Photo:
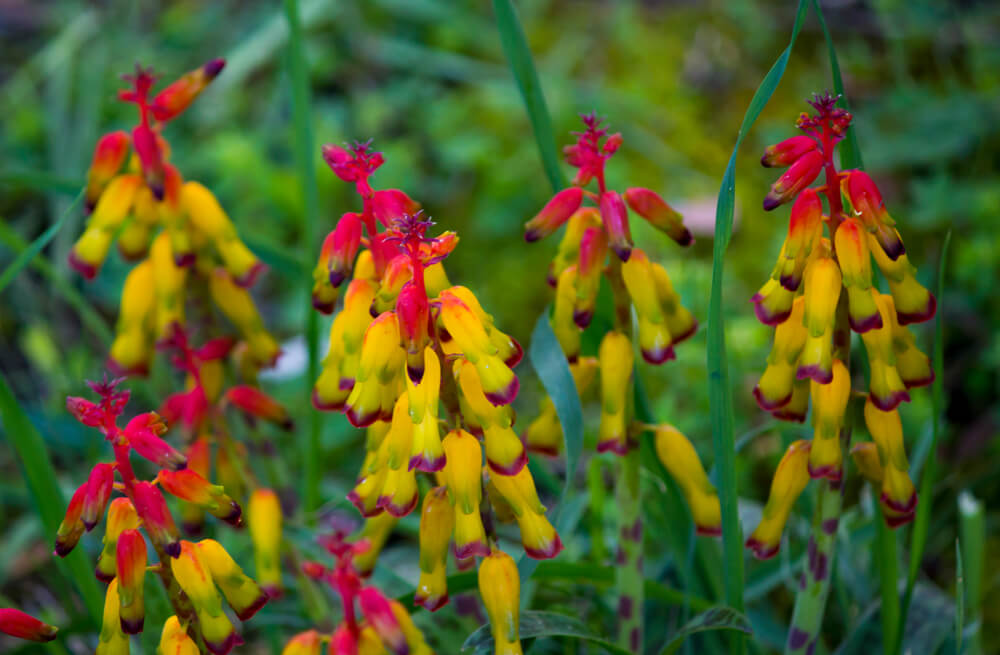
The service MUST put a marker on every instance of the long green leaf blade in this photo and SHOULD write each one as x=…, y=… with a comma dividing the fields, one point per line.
x=515, y=47
x=720, y=393
x=541, y=624
x=716, y=618
x=36, y=246
x=850, y=153
x=49, y=501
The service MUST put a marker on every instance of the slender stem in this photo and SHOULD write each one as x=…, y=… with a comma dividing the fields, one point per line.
x=888, y=569
x=307, y=179
x=814, y=586
x=628, y=569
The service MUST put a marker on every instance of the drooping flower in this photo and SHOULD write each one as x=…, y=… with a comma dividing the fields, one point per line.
x=17, y=624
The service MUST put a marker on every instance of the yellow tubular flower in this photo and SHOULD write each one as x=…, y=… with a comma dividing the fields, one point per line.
x=340, y=366
x=790, y=479
x=112, y=640
x=264, y=517
x=681, y=460
x=866, y=458
x=898, y=497
x=796, y=408
x=168, y=287
x=822, y=292
x=507, y=348
x=569, y=246
x=772, y=303
x=91, y=249
x=121, y=516
x=886, y=388
x=616, y=361
x=375, y=531
x=914, y=303
x=913, y=366
x=243, y=594
x=194, y=577
x=414, y=638
x=133, y=347
x=855, y=264
x=136, y=234
x=464, y=481
x=566, y=330
x=309, y=642
x=400, y=437
x=538, y=537
x=437, y=522
x=500, y=589
x=774, y=389
x=376, y=370
x=681, y=322
x=368, y=488
x=208, y=217
x=655, y=340
x=236, y=303
x=504, y=449
x=174, y=639
x=544, y=434
x=130, y=560
x=829, y=403
x=426, y=453
x=400, y=493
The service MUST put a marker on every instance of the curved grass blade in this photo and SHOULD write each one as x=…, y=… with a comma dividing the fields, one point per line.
x=850, y=153
x=74, y=298
x=550, y=364
x=542, y=624
x=716, y=618
x=918, y=538
x=515, y=47
x=302, y=119
x=37, y=245
x=720, y=393
x=49, y=501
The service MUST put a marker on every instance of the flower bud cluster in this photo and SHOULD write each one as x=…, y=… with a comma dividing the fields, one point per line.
x=139, y=517
x=821, y=289
x=176, y=229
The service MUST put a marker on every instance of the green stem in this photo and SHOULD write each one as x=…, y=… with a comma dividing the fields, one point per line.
x=888, y=569
x=628, y=565
x=298, y=72
x=814, y=586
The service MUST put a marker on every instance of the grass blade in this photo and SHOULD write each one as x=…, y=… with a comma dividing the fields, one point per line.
x=74, y=298
x=959, y=597
x=515, y=47
x=850, y=153
x=918, y=538
x=720, y=394
x=49, y=502
x=972, y=532
x=36, y=246
x=304, y=153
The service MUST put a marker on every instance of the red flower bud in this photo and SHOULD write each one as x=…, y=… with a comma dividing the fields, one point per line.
x=788, y=151
x=130, y=560
x=142, y=432
x=22, y=626
x=341, y=246
x=156, y=518
x=413, y=313
x=192, y=487
x=109, y=155
x=556, y=212
x=151, y=159
x=801, y=174
x=71, y=528
x=98, y=494
x=258, y=404
x=378, y=611
x=85, y=411
x=615, y=217
x=390, y=204
x=176, y=97
x=660, y=215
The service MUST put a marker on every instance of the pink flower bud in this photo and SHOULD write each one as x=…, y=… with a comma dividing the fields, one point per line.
x=390, y=204
x=98, y=494
x=615, y=217
x=142, y=434
x=787, y=152
x=801, y=174
x=258, y=404
x=379, y=613
x=554, y=214
x=151, y=159
x=22, y=626
x=85, y=411
x=156, y=518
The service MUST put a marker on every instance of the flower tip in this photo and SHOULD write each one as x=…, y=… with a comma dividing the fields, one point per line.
x=831, y=472
x=86, y=269
x=131, y=626
x=322, y=306
x=905, y=318
x=272, y=592
x=422, y=463
x=623, y=251
x=224, y=647
x=184, y=259
x=582, y=318
x=552, y=549
x=659, y=355
x=616, y=446
x=249, y=278
x=771, y=202
x=214, y=67
x=769, y=405
x=430, y=603
x=873, y=322
x=761, y=550
x=530, y=235
x=764, y=314
x=685, y=238
x=891, y=401
x=709, y=530
x=173, y=548
x=506, y=395
x=815, y=372
x=323, y=406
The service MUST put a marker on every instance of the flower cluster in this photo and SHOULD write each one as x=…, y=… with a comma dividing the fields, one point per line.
x=384, y=625
x=405, y=344
x=192, y=573
x=129, y=198
x=636, y=283
x=821, y=289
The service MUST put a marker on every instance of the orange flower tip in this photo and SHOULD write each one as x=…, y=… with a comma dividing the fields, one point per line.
x=430, y=603
x=224, y=647
x=761, y=550
x=509, y=469
x=132, y=626
x=583, y=317
x=926, y=314
x=249, y=278
x=623, y=251
x=323, y=406
x=659, y=355
x=818, y=373
x=767, y=404
x=552, y=549
x=708, y=530
x=213, y=67
x=891, y=401
x=86, y=269
x=473, y=549
x=503, y=396
x=422, y=463
x=830, y=472
x=764, y=314
x=399, y=511
x=790, y=415
x=17, y=624
x=616, y=446
x=862, y=325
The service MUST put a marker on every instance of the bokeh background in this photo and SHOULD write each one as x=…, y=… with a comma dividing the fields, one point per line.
x=427, y=80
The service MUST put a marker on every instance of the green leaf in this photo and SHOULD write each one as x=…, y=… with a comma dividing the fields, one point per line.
x=515, y=47
x=304, y=154
x=550, y=364
x=850, y=153
x=716, y=618
x=49, y=501
x=927, y=626
x=959, y=597
x=36, y=246
x=541, y=624
x=720, y=393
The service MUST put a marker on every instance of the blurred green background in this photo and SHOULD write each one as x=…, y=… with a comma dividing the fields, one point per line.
x=427, y=81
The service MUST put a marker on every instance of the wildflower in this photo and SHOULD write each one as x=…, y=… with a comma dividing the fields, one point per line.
x=195, y=578
x=616, y=375
x=264, y=516
x=112, y=640
x=437, y=520
x=500, y=587
x=135, y=195
x=813, y=320
x=131, y=563
x=17, y=624
x=174, y=639
x=678, y=456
